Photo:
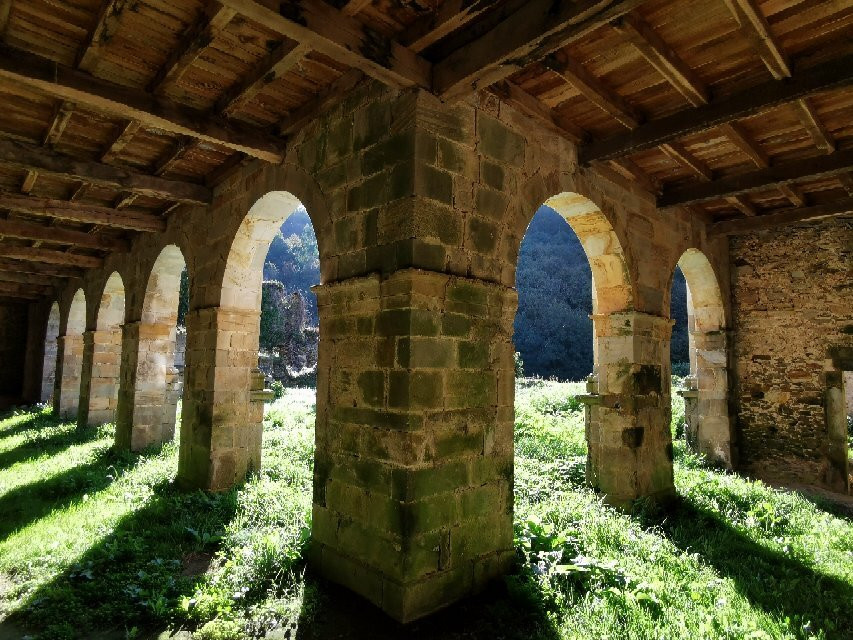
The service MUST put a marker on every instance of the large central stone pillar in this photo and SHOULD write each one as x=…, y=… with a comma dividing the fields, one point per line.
x=414, y=463
x=628, y=425
x=101, y=374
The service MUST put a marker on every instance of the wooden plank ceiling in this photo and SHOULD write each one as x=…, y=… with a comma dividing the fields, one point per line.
x=117, y=112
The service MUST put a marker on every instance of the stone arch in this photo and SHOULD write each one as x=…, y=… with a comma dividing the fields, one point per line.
x=70, y=369
x=50, y=350
x=103, y=348
x=150, y=383
x=706, y=397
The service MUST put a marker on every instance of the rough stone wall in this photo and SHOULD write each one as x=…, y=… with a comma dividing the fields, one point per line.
x=13, y=341
x=793, y=306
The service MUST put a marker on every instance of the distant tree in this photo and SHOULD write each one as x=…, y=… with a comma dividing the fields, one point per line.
x=183, y=298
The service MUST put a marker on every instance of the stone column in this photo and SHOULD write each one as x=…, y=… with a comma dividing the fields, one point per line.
x=628, y=427
x=713, y=427
x=85, y=378
x=48, y=386
x=414, y=464
x=104, y=385
x=837, y=472
x=68, y=375
x=220, y=425
x=144, y=417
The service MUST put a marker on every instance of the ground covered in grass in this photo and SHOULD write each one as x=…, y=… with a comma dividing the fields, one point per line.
x=91, y=541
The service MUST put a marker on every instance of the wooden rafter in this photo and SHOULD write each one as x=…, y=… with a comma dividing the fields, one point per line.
x=197, y=37
x=738, y=137
x=822, y=166
x=165, y=163
x=793, y=194
x=634, y=172
x=28, y=157
x=813, y=125
x=125, y=199
x=754, y=26
x=26, y=278
x=339, y=36
x=805, y=82
x=31, y=231
x=49, y=256
x=105, y=25
x=105, y=97
x=29, y=181
x=284, y=58
x=514, y=95
x=352, y=7
x=51, y=271
x=61, y=117
x=846, y=180
x=23, y=291
x=663, y=58
x=781, y=218
x=743, y=205
x=123, y=137
x=328, y=96
x=538, y=28
x=680, y=155
x=77, y=212
x=593, y=89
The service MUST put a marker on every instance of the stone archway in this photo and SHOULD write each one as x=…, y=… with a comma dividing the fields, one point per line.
x=706, y=397
x=150, y=383
x=99, y=397
x=70, y=362
x=48, y=376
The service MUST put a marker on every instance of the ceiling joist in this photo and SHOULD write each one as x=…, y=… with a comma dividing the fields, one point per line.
x=781, y=218
x=49, y=256
x=754, y=26
x=37, y=269
x=31, y=231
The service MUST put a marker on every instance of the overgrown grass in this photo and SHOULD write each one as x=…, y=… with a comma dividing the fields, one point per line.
x=91, y=540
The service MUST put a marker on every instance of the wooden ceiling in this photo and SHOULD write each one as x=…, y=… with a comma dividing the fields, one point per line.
x=115, y=112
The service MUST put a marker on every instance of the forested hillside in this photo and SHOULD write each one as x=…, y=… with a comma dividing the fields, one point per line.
x=294, y=261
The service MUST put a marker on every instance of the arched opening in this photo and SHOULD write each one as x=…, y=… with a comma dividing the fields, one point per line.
x=106, y=353
x=71, y=359
x=48, y=375
x=707, y=423
x=151, y=384
x=240, y=382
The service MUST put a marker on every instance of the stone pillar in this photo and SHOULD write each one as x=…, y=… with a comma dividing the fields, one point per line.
x=85, y=378
x=220, y=425
x=712, y=424
x=691, y=412
x=145, y=417
x=104, y=385
x=68, y=375
x=48, y=386
x=628, y=428
x=838, y=465
x=414, y=464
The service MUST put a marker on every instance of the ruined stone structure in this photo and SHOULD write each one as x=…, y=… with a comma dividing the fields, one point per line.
x=420, y=181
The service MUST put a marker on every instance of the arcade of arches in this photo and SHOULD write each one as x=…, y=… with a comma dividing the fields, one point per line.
x=419, y=209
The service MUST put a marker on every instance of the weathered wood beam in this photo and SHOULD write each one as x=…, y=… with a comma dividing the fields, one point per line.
x=24, y=291
x=738, y=137
x=661, y=56
x=846, y=180
x=198, y=37
x=49, y=256
x=529, y=34
x=352, y=7
x=633, y=172
x=754, y=26
x=517, y=97
x=106, y=23
x=743, y=205
x=593, y=89
x=172, y=156
x=79, y=191
x=284, y=58
x=781, y=218
x=805, y=82
x=339, y=36
x=29, y=157
x=86, y=213
x=813, y=125
x=29, y=181
x=328, y=96
x=125, y=199
x=5, y=12
x=31, y=231
x=151, y=111
x=679, y=154
x=35, y=268
x=450, y=16
x=61, y=116
x=822, y=166
x=26, y=278
x=793, y=194
x=123, y=137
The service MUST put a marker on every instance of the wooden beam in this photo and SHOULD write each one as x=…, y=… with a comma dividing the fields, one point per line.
x=26, y=278
x=661, y=56
x=593, y=89
x=29, y=157
x=103, y=96
x=5, y=13
x=123, y=137
x=529, y=34
x=813, y=125
x=793, y=194
x=781, y=218
x=819, y=167
x=25, y=291
x=125, y=199
x=633, y=172
x=352, y=7
x=517, y=97
x=284, y=58
x=805, y=82
x=172, y=156
x=339, y=36
x=29, y=181
x=105, y=26
x=61, y=116
x=50, y=257
x=197, y=38
x=754, y=26
x=52, y=271
x=737, y=136
x=86, y=213
x=328, y=96
x=32, y=231
x=677, y=152
x=743, y=205
x=846, y=180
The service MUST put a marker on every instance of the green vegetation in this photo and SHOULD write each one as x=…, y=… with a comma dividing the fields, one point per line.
x=92, y=540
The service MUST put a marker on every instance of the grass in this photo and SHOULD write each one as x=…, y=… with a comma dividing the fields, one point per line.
x=91, y=540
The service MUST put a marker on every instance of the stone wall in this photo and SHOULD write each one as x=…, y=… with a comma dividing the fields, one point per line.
x=13, y=342
x=792, y=291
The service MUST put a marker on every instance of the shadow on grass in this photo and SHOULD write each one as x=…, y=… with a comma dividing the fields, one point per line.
x=37, y=445
x=132, y=577
x=779, y=584
x=34, y=420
